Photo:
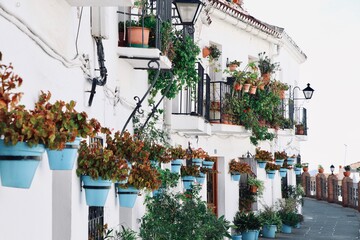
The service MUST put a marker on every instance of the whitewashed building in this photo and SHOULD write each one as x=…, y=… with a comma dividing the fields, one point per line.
x=51, y=45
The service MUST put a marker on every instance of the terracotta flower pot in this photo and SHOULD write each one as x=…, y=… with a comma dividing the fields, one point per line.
x=305, y=169
x=321, y=170
x=205, y=52
x=253, y=189
x=232, y=67
x=347, y=173
x=247, y=87
x=237, y=87
x=266, y=78
x=253, y=89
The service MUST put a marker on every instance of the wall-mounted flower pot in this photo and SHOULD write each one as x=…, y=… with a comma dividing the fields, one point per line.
x=286, y=228
x=290, y=161
x=205, y=52
x=261, y=164
x=297, y=171
x=63, y=159
x=127, y=196
x=176, y=165
x=283, y=172
x=269, y=231
x=208, y=164
x=279, y=162
x=197, y=161
x=96, y=191
x=201, y=178
x=270, y=174
x=188, y=181
x=235, y=177
x=18, y=164
x=135, y=37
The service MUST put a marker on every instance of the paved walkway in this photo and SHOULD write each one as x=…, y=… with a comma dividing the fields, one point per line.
x=325, y=221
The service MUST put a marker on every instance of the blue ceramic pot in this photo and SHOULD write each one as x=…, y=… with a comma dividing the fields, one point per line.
x=283, y=172
x=208, y=164
x=270, y=174
x=63, y=159
x=127, y=196
x=268, y=231
x=286, y=228
x=200, y=179
x=297, y=171
x=197, y=162
x=188, y=181
x=249, y=235
x=279, y=162
x=235, y=177
x=176, y=165
x=261, y=164
x=96, y=191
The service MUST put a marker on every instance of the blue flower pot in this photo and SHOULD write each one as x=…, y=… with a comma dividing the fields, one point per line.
x=63, y=159
x=279, y=162
x=96, y=191
x=297, y=171
x=208, y=164
x=297, y=225
x=257, y=234
x=270, y=174
x=235, y=177
x=18, y=164
x=286, y=228
x=290, y=161
x=249, y=235
x=283, y=172
x=236, y=237
x=188, y=181
x=176, y=165
x=200, y=179
x=127, y=196
x=261, y=164
x=197, y=162
x=269, y=231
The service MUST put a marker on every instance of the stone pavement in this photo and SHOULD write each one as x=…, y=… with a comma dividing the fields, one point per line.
x=325, y=221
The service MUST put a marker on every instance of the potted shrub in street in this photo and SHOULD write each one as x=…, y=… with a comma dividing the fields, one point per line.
x=288, y=214
x=236, y=168
x=262, y=157
x=246, y=224
x=270, y=221
x=22, y=133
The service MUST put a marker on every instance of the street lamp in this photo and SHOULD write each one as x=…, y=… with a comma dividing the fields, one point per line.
x=332, y=168
x=308, y=92
x=188, y=10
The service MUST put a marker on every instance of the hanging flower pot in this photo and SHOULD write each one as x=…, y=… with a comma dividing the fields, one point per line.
x=266, y=78
x=201, y=178
x=290, y=161
x=279, y=162
x=188, y=181
x=197, y=162
x=283, y=172
x=127, y=196
x=247, y=87
x=270, y=174
x=63, y=159
x=297, y=170
x=253, y=89
x=238, y=87
x=253, y=189
x=176, y=165
x=235, y=177
x=261, y=164
x=96, y=191
x=18, y=164
x=208, y=164
x=205, y=52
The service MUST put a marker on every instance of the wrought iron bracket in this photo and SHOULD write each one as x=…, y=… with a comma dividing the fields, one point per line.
x=140, y=100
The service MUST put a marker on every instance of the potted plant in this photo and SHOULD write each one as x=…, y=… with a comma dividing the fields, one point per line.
x=297, y=168
x=197, y=156
x=262, y=157
x=347, y=172
x=97, y=168
x=22, y=132
x=280, y=157
x=246, y=224
x=188, y=175
x=320, y=168
x=266, y=67
x=270, y=169
x=256, y=186
x=232, y=65
x=288, y=214
x=299, y=129
x=178, y=155
x=270, y=221
x=236, y=168
x=212, y=52
x=70, y=126
x=209, y=161
x=291, y=159
x=305, y=167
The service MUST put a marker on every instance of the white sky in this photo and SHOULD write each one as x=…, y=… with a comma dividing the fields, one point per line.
x=328, y=31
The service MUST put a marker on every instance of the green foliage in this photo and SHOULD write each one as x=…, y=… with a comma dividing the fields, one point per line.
x=270, y=216
x=265, y=64
x=289, y=218
x=181, y=216
x=168, y=179
x=214, y=53
x=183, y=68
x=253, y=181
x=190, y=170
x=245, y=221
x=123, y=234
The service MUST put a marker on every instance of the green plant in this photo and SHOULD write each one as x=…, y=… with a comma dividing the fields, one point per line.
x=214, y=53
x=168, y=179
x=245, y=221
x=181, y=216
x=263, y=155
x=177, y=152
x=197, y=153
x=191, y=170
x=142, y=176
x=253, y=181
x=123, y=234
x=270, y=216
x=280, y=155
x=234, y=62
x=294, y=192
x=287, y=211
x=18, y=124
x=236, y=167
x=271, y=166
x=298, y=165
x=68, y=123
x=320, y=166
x=98, y=162
x=265, y=64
